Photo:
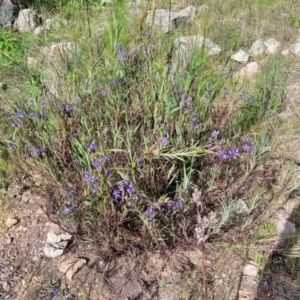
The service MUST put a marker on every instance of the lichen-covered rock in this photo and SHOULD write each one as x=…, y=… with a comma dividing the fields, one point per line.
x=8, y=14
x=27, y=20
x=241, y=56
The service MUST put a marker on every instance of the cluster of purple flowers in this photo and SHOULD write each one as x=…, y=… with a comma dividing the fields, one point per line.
x=233, y=152
x=121, y=52
x=164, y=142
x=185, y=104
x=123, y=188
x=160, y=209
x=34, y=116
x=92, y=147
x=91, y=181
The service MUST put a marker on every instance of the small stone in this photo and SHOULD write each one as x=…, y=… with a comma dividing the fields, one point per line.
x=250, y=70
x=282, y=223
x=57, y=241
x=71, y=266
x=10, y=222
x=241, y=56
x=250, y=270
x=272, y=45
x=36, y=258
x=257, y=48
x=26, y=196
x=6, y=286
x=285, y=52
x=295, y=49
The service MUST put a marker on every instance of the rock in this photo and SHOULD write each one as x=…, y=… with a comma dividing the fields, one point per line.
x=295, y=49
x=14, y=190
x=55, y=23
x=65, y=49
x=167, y=21
x=240, y=56
x=38, y=30
x=71, y=266
x=6, y=286
x=285, y=52
x=272, y=45
x=27, y=195
x=8, y=14
x=27, y=20
x=10, y=222
x=250, y=270
x=57, y=241
x=257, y=48
x=282, y=223
x=250, y=70
x=186, y=45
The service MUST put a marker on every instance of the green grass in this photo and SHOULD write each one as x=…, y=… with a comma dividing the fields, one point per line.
x=122, y=142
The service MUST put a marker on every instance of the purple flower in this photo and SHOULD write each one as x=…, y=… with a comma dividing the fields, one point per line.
x=185, y=110
x=128, y=186
x=247, y=138
x=10, y=142
x=52, y=198
x=103, y=92
x=107, y=172
x=68, y=209
x=140, y=160
x=121, y=52
x=37, y=150
x=215, y=133
x=149, y=211
x=54, y=290
x=20, y=113
x=247, y=147
x=222, y=155
x=116, y=194
x=158, y=205
x=33, y=116
x=92, y=147
x=164, y=142
x=174, y=205
x=71, y=193
x=96, y=163
x=89, y=178
x=234, y=152
x=209, y=146
x=94, y=190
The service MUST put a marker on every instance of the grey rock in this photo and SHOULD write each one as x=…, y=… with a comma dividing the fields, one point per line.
x=65, y=49
x=282, y=223
x=250, y=70
x=8, y=14
x=186, y=45
x=240, y=56
x=250, y=270
x=167, y=21
x=272, y=45
x=55, y=23
x=27, y=20
x=257, y=48
x=295, y=49
x=57, y=241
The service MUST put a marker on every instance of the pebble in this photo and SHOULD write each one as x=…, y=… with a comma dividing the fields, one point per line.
x=10, y=222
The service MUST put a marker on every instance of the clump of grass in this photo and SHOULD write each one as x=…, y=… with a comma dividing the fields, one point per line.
x=120, y=156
